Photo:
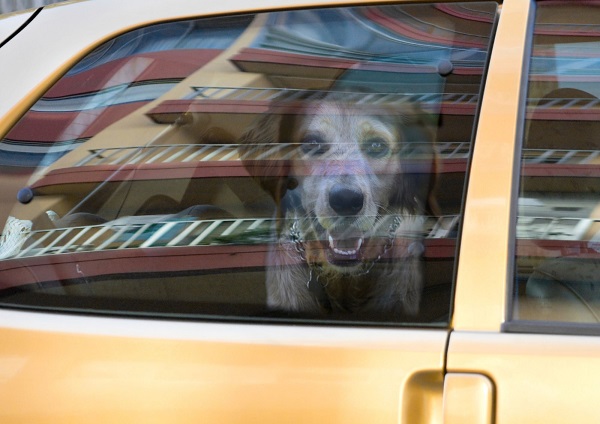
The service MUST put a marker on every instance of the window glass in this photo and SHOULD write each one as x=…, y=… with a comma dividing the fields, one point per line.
x=302, y=165
x=558, y=227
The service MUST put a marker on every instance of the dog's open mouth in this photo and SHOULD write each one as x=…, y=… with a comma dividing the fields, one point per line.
x=343, y=245
x=344, y=250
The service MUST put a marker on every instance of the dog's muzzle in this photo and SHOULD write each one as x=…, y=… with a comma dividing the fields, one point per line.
x=344, y=244
x=344, y=247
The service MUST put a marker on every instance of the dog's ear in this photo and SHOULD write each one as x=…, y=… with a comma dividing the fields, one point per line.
x=417, y=181
x=266, y=162
x=259, y=155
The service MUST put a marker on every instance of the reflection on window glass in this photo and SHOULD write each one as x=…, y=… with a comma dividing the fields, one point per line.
x=305, y=165
x=558, y=231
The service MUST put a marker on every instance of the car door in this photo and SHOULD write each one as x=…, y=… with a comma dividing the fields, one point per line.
x=534, y=343
x=144, y=217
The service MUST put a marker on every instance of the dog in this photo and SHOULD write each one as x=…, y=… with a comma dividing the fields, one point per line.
x=351, y=181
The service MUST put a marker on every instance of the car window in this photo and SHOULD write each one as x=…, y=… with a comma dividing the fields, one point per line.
x=305, y=165
x=558, y=231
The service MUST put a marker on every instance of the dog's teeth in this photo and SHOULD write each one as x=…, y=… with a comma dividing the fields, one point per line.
x=345, y=252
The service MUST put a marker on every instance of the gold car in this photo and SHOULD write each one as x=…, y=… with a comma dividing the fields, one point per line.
x=333, y=211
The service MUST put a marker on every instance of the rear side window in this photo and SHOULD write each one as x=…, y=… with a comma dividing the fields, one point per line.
x=306, y=165
x=558, y=228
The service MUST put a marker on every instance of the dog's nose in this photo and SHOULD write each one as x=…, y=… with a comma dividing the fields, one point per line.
x=345, y=200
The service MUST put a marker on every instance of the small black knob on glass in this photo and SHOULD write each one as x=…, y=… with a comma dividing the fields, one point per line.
x=25, y=195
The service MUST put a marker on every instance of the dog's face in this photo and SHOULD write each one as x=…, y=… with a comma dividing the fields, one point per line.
x=348, y=174
x=351, y=180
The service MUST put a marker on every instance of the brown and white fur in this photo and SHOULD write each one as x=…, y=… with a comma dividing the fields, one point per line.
x=350, y=201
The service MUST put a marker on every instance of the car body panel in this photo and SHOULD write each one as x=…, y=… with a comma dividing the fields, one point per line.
x=56, y=369
x=485, y=255
x=538, y=378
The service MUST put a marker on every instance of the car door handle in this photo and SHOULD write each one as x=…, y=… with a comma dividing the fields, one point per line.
x=468, y=399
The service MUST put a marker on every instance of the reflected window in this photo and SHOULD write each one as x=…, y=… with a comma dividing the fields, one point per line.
x=558, y=228
x=306, y=165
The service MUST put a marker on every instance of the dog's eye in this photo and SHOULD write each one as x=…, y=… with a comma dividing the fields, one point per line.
x=314, y=145
x=376, y=147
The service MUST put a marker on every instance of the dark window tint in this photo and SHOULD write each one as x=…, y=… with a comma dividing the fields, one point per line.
x=558, y=228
